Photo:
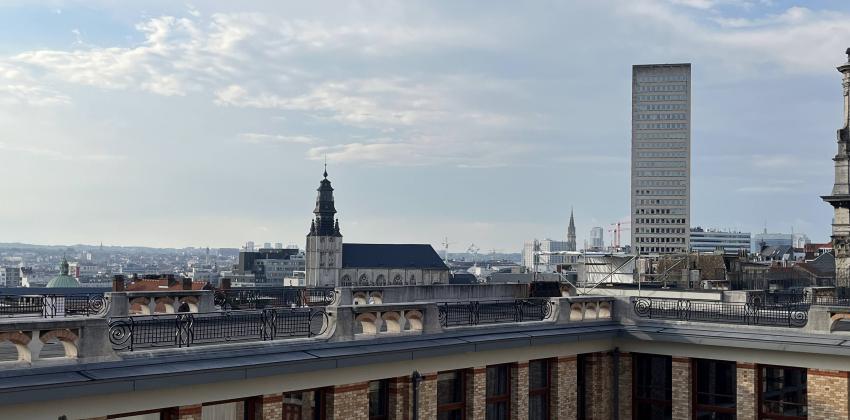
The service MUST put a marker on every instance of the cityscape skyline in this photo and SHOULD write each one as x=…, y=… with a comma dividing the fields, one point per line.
x=464, y=135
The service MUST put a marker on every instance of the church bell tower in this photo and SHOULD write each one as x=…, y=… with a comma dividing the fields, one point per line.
x=324, y=242
x=840, y=197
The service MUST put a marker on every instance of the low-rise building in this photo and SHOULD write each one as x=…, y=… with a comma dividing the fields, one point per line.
x=712, y=240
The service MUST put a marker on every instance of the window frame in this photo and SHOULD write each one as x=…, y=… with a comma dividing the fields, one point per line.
x=502, y=398
x=546, y=391
x=759, y=393
x=457, y=405
x=695, y=406
x=636, y=401
x=384, y=398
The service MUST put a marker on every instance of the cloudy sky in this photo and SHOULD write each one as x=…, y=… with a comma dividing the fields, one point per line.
x=192, y=124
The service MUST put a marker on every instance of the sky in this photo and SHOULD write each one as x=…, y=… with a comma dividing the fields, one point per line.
x=174, y=124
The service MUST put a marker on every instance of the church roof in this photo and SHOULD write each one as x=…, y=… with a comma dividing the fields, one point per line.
x=420, y=256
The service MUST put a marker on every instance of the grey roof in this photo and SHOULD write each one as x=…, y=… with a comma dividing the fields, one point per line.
x=391, y=256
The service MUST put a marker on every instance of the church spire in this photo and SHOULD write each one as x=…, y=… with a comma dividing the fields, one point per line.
x=324, y=211
x=571, y=233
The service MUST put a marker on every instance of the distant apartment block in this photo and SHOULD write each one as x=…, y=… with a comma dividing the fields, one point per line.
x=543, y=255
x=661, y=152
x=711, y=240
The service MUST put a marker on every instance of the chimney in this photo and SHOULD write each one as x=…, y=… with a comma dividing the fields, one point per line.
x=118, y=283
x=187, y=283
x=225, y=284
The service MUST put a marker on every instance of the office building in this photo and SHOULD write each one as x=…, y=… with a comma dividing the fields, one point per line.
x=661, y=152
x=765, y=239
x=597, y=238
x=711, y=240
x=545, y=256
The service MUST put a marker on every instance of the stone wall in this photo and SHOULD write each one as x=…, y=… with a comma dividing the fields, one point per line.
x=519, y=391
x=350, y=402
x=746, y=401
x=827, y=394
x=598, y=378
x=563, y=399
x=681, y=378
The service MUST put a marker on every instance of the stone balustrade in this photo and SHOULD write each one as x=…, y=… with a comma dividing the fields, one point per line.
x=159, y=302
x=80, y=338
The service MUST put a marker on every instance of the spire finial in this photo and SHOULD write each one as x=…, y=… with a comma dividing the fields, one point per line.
x=326, y=166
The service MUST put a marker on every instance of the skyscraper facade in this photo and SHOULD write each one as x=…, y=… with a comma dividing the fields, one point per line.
x=597, y=238
x=661, y=158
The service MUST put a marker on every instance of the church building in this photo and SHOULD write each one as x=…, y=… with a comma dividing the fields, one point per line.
x=330, y=262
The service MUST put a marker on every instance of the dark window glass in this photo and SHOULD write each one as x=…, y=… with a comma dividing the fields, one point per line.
x=450, y=395
x=782, y=392
x=539, y=373
x=498, y=392
x=581, y=387
x=653, y=387
x=715, y=388
x=379, y=398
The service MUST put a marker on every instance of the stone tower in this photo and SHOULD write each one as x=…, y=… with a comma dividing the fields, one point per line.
x=324, y=242
x=840, y=197
x=571, y=233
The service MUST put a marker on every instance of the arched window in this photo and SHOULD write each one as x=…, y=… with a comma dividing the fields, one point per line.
x=346, y=280
x=381, y=280
x=397, y=280
x=364, y=280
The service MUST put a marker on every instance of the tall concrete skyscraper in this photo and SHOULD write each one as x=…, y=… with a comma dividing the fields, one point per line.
x=661, y=158
x=840, y=197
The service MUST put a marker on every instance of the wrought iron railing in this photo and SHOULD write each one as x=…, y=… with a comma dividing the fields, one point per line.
x=275, y=297
x=190, y=329
x=721, y=312
x=52, y=306
x=466, y=313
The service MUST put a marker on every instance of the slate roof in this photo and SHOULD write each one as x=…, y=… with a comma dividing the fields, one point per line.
x=420, y=256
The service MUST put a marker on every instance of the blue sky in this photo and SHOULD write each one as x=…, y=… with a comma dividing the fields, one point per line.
x=194, y=124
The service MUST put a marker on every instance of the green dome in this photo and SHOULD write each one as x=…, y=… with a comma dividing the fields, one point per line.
x=63, y=279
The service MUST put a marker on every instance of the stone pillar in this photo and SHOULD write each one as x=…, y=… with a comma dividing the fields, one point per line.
x=349, y=402
x=625, y=386
x=400, y=399
x=563, y=400
x=476, y=393
x=598, y=378
x=681, y=376
x=519, y=391
x=428, y=396
x=269, y=406
x=828, y=394
x=189, y=412
x=746, y=384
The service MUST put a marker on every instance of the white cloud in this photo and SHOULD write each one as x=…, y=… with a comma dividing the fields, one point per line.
x=260, y=138
x=54, y=154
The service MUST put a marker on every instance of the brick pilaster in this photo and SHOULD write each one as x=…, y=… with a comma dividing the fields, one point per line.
x=428, y=396
x=270, y=406
x=746, y=384
x=624, y=384
x=400, y=399
x=189, y=412
x=599, y=386
x=563, y=400
x=519, y=391
x=308, y=399
x=476, y=393
x=349, y=402
x=681, y=379
x=828, y=394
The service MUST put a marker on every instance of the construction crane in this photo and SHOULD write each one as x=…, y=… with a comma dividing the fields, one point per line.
x=446, y=244
x=616, y=229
